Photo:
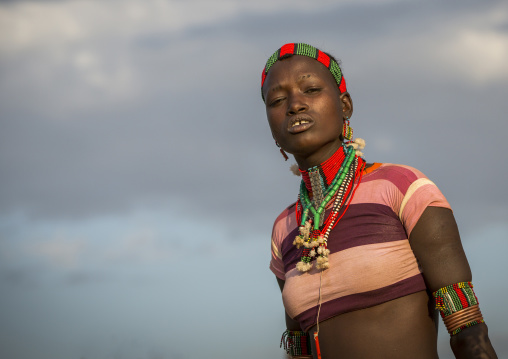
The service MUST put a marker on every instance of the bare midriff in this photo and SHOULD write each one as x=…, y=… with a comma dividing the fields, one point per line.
x=401, y=328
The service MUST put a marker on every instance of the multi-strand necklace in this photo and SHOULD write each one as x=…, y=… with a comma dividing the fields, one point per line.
x=345, y=167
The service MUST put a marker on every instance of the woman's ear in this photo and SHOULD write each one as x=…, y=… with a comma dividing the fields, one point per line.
x=347, y=104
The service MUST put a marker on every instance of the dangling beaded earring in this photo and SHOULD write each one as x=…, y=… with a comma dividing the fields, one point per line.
x=282, y=152
x=347, y=131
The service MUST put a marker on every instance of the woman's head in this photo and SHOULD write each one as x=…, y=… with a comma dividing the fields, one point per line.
x=306, y=102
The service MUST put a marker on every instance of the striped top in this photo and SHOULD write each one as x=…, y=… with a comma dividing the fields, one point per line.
x=371, y=261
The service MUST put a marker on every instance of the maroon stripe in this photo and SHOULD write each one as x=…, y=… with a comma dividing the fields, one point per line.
x=363, y=223
x=366, y=223
x=401, y=177
x=290, y=254
x=358, y=301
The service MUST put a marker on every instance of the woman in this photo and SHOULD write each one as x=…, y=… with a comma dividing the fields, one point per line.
x=368, y=251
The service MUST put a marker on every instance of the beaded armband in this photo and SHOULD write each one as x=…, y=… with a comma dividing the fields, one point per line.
x=296, y=343
x=458, y=306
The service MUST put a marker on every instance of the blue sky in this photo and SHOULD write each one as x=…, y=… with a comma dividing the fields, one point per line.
x=139, y=180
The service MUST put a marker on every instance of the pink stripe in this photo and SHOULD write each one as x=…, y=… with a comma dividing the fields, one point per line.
x=379, y=191
x=355, y=270
x=428, y=195
x=284, y=223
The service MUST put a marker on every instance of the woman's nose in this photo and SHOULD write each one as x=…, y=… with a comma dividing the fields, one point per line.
x=296, y=105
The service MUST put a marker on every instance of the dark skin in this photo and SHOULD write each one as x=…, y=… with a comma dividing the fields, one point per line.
x=306, y=111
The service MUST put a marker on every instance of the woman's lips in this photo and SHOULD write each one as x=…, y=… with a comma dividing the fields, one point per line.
x=300, y=125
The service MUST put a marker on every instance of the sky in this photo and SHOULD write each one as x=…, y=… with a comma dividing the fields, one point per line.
x=139, y=180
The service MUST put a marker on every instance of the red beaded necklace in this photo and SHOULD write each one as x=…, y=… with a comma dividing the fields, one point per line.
x=327, y=169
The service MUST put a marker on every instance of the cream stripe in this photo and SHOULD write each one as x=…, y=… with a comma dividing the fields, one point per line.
x=411, y=190
x=275, y=250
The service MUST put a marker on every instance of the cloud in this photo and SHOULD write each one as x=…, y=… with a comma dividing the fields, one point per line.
x=479, y=56
x=29, y=24
x=142, y=247
x=108, y=249
x=59, y=251
x=125, y=107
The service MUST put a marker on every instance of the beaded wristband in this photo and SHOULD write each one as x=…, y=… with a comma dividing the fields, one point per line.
x=458, y=306
x=296, y=343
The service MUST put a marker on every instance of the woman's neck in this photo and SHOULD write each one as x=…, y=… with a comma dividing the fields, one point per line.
x=318, y=178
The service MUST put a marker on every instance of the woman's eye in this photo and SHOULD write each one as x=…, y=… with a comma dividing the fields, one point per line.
x=313, y=90
x=276, y=102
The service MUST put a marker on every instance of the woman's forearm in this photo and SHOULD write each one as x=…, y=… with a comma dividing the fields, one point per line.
x=473, y=343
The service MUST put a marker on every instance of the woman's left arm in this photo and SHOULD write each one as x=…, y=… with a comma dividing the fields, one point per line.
x=436, y=244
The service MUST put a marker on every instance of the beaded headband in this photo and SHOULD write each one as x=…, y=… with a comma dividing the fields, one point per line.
x=309, y=51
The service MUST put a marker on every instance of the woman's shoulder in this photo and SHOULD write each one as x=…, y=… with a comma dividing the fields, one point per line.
x=288, y=211
x=285, y=221
x=393, y=171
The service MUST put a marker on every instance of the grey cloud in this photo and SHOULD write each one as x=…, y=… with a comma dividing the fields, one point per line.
x=191, y=130
x=16, y=277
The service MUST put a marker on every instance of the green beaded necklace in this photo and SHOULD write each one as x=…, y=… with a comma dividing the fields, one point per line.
x=308, y=205
x=315, y=240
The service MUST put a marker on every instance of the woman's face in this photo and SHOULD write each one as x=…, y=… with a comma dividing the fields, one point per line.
x=304, y=107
